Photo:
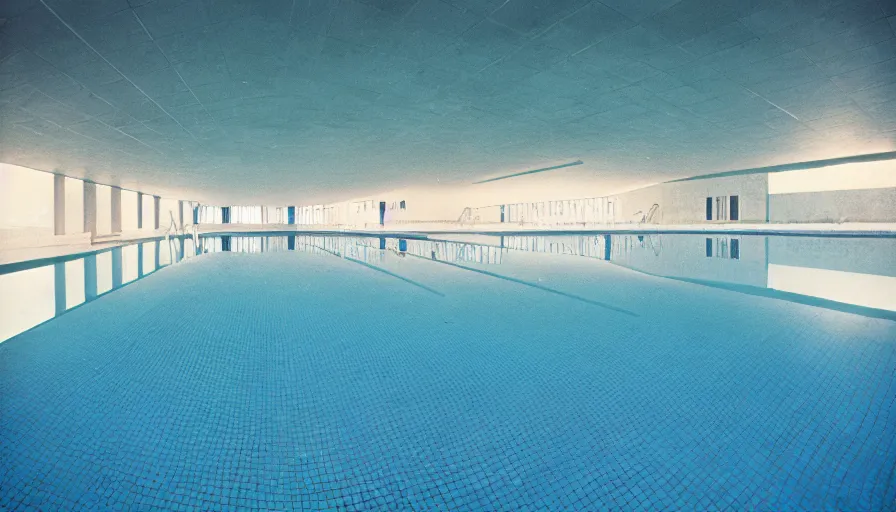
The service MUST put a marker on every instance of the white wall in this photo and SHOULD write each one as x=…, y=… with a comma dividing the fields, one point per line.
x=167, y=211
x=872, y=205
x=148, y=213
x=855, y=192
x=852, y=176
x=26, y=198
x=679, y=202
x=684, y=202
x=188, y=212
x=74, y=206
x=103, y=210
x=128, y=210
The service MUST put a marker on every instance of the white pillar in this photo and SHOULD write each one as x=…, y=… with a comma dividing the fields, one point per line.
x=58, y=204
x=90, y=208
x=116, y=210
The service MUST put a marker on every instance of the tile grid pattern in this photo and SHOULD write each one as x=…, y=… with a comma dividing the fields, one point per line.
x=342, y=388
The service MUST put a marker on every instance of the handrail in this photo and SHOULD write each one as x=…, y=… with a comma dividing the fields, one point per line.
x=648, y=217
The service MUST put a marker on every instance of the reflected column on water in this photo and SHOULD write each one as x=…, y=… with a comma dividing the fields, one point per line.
x=139, y=261
x=59, y=286
x=117, y=272
x=90, y=288
x=116, y=209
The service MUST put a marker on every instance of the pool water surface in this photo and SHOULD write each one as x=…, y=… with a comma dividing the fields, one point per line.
x=526, y=373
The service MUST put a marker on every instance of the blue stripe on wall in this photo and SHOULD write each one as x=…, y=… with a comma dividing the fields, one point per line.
x=533, y=171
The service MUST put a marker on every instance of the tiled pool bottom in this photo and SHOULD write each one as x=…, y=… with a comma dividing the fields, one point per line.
x=305, y=381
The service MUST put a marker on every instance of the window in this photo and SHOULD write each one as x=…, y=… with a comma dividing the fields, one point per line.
x=723, y=247
x=721, y=208
x=402, y=205
x=708, y=210
x=734, y=212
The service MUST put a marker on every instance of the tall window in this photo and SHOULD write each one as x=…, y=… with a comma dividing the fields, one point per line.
x=721, y=208
x=734, y=212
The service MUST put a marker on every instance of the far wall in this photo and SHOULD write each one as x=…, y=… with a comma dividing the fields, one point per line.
x=874, y=205
x=851, y=192
x=684, y=202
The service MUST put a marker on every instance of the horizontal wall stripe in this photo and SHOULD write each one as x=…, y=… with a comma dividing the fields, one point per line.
x=874, y=157
x=533, y=171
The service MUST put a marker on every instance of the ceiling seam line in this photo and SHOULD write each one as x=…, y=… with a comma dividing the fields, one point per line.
x=179, y=76
x=29, y=112
x=43, y=2
x=763, y=98
x=95, y=95
x=292, y=11
x=94, y=118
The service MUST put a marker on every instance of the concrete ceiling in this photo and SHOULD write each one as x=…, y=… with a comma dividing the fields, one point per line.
x=302, y=101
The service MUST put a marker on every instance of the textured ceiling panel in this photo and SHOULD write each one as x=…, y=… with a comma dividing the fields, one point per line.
x=283, y=101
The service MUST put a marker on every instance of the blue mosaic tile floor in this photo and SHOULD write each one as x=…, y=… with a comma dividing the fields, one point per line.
x=304, y=381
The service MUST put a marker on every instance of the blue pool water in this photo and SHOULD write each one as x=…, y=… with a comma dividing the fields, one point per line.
x=523, y=373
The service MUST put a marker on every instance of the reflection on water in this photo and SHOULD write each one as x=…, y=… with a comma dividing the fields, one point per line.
x=827, y=272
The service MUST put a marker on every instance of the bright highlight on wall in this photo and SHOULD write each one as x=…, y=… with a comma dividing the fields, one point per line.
x=862, y=175
x=26, y=198
x=74, y=206
x=26, y=299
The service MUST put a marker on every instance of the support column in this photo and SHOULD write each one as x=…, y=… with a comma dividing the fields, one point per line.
x=139, y=210
x=90, y=288
x=116, y=210
x=58, y=204
x=156, y=210
x=59, y=285
x=180, y=215
x=158, y=254
x=90, y=208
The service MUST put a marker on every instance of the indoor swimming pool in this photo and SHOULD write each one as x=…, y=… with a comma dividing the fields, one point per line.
x=474, y=372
